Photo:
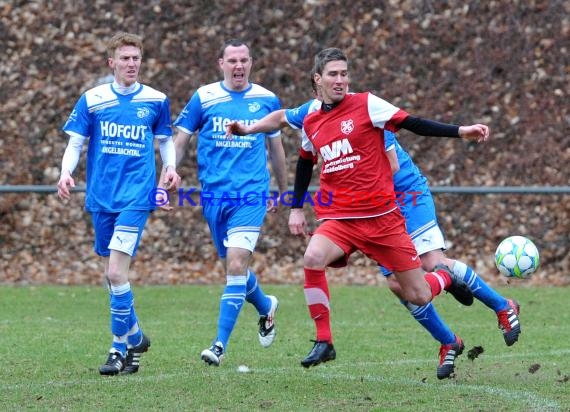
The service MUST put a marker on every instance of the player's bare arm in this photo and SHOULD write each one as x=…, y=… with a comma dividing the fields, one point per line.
x=273, y=121
x=181, y=140
x=278, y=166
x=393, y=158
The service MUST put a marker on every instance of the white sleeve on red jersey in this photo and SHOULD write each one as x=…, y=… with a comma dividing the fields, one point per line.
x=307, y=150
x=383, y=114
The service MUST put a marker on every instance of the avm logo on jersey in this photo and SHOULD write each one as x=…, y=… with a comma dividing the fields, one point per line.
x=195, y=197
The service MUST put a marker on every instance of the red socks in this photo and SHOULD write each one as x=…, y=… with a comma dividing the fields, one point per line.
x=317, y=296
x=438, y=281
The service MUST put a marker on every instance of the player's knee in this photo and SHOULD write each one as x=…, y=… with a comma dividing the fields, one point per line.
x=394, y=285
x=431, y=259
x=417, y=296
x=236, y=267
x=115, y=276
x=314, y=258
x=420, y=300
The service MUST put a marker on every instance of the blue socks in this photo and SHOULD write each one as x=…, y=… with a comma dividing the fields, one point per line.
x=428, y=317
x=480, y=289
x=255, y=295
x=134, y=337
x=121, y=308
x=231, y=303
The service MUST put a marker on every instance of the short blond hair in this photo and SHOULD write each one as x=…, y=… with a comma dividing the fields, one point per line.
x=123, y=39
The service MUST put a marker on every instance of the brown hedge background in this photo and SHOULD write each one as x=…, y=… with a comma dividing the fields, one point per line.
x=504, y=63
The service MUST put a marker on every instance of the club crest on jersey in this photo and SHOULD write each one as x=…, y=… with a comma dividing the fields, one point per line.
x=347, y=126
x=254, y=107
x=142, y=112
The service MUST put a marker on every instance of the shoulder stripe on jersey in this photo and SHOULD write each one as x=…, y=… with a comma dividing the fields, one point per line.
x=213, y=102
x=147, y=99
x=102, y=106
x=257, y=95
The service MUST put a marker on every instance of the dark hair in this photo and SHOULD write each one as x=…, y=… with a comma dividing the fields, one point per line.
x=325, y=56
x=232, y=43
x=313, y=83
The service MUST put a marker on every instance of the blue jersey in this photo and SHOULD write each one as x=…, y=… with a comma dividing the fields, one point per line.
x=121, y=169
x=415, y=199
x=296, y=116
x=229, y=167
x=409, y=177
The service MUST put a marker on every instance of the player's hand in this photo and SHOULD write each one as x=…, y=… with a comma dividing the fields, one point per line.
x=171, y=180
x=65, y=182
x=477, y=132
x=162, y=198
x=272, y=206
x=297, y=222
x=236, y=128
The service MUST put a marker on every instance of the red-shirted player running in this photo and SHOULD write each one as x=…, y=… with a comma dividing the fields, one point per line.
x=356, y=200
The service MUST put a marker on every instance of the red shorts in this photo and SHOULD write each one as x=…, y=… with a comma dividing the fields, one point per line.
x=382, y=238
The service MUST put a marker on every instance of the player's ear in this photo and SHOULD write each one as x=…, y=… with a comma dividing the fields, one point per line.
x=317, y=77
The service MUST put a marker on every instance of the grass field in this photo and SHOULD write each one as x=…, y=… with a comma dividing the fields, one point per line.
x=52, y=340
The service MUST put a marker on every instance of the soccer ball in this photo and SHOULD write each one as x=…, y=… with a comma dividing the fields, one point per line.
x=517, y=256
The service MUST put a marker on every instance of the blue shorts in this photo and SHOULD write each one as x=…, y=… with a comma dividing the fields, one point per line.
x=236, y=224
x=120, y=231
x=418, y=209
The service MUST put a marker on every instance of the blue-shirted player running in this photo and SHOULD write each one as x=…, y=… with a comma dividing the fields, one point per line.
x=235, y=184
x=121, y=120
x=417, y=206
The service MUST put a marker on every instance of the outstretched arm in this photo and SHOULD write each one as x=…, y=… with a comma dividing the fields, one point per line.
x=425, y=127
x=271, y=122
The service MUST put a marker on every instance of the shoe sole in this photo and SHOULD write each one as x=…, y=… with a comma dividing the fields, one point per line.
x=446, y=374
x=267, y=340
x=109, y=373
x=209, y=358
x=331, y=357
x=308, y=365
x=512, y=336
x=128, y=370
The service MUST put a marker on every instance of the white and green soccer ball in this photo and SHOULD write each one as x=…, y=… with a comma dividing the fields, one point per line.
x=517, y=256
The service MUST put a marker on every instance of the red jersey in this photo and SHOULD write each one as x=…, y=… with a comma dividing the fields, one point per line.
x=356, y=177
